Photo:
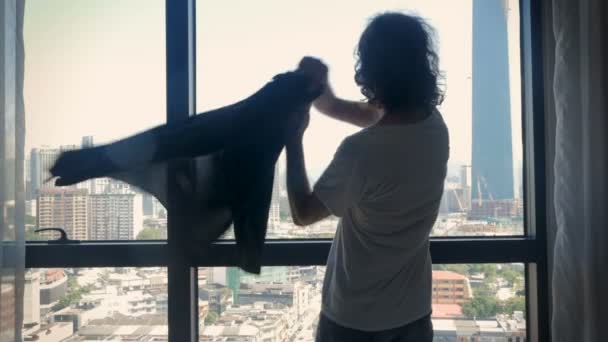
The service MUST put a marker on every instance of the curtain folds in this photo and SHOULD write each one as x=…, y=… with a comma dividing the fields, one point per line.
x=580, y=267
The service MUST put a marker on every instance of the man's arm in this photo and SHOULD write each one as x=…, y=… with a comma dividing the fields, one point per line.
x=306, y=208
x=357, y=113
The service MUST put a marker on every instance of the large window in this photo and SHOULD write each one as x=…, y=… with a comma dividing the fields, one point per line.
x=283, y=303
x=108, y=69
x=94, y=72
x=83, y=304
x=479, y=54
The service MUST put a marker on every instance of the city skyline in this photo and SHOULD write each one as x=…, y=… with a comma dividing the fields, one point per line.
x=282, y=304
x=106, y=80
x=137, y=100
x=110, y=200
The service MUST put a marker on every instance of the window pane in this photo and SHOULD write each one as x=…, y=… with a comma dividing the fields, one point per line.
x=94, y=72
x=242, y=44
x=283, y=303
x=85, y=304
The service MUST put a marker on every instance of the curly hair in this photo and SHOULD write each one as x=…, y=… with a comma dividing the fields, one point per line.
x=397, y=66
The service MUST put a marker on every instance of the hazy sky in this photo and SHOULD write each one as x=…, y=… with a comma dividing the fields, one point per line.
x=97, y=67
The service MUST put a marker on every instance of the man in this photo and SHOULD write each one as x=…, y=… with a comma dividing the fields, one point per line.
x=385, y=184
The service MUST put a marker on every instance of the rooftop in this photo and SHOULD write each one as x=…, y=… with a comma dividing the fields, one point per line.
x=447, y=311
x=447, y=275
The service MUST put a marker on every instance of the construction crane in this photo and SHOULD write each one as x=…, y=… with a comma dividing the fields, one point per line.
x=479, y=196
x=481, y=179
x=460, y=206
x=485, y=183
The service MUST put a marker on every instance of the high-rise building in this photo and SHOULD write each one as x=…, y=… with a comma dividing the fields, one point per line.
x=450, y=288
x=216, y=275
x=7, y=311
x=152, y=206
x=41, y=160
x=53, y=287
x=87, y=141
x=276, y=274
x=494, y=209
x=465, y=185
x=233, y=278
x=104, y=185
x=31, y=297
x=274, y=214
x=302, y=297
x=29, y=192
x=115, y=215
x=65, y=208
x=492, y=160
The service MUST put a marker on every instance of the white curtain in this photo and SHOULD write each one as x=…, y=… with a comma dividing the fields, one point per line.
x=580, y=267
x=12, y=184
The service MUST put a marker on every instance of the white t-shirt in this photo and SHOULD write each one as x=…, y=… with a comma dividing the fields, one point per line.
x=385, y=183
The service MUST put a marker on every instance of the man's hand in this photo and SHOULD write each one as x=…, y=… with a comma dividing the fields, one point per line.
x=354, y=112
x=316, y=70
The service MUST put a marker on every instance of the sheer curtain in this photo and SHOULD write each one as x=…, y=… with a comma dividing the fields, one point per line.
x=580, y=267
x=12, y=184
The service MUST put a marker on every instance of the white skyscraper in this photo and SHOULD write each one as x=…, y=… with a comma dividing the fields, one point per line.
x=41, y=160
x=87, y=141
x=31, y=297
x=116, y=215
x=465, y=185
x=274, y=214
x=217, y=275
x=65, y=208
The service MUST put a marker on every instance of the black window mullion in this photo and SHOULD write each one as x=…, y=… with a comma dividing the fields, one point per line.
x=533, y=111
x=181, y=103
x=276, y=253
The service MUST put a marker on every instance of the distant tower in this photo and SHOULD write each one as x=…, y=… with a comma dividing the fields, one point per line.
x=233, y=280
x=67, y=208
x=41, y=160
x=274, y=215
x=465, y=186
x=115, y=216
x=87, y=141
x=492, y=160
x=31, y=297
x=226, y=276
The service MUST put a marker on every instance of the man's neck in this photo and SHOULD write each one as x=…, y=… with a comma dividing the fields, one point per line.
x=403, y=117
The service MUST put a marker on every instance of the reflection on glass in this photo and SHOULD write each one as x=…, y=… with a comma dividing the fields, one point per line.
x=283, y=303
x=84, y=304
x=478, y=53
x=94, y=72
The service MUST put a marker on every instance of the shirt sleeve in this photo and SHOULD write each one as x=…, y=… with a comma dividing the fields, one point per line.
x=340, y=186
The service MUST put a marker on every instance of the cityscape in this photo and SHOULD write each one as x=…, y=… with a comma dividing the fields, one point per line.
x=471, y=302
x=280, y=304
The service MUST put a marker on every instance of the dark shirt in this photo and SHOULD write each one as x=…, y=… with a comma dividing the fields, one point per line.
x=229, y=156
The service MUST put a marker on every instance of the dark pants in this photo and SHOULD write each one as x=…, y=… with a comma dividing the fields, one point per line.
x=417, y=331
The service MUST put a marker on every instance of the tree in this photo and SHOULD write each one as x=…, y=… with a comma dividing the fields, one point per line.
x=488, y=270
x=31, y=220
x=482, y=307
x=211, y=318
x=517, y=303
x=457, y=268
x=75, y=293
x=510, y=275
x=31, y=235
x=149, y=233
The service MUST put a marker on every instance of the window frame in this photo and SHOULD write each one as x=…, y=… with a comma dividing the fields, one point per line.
x=530, y=249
